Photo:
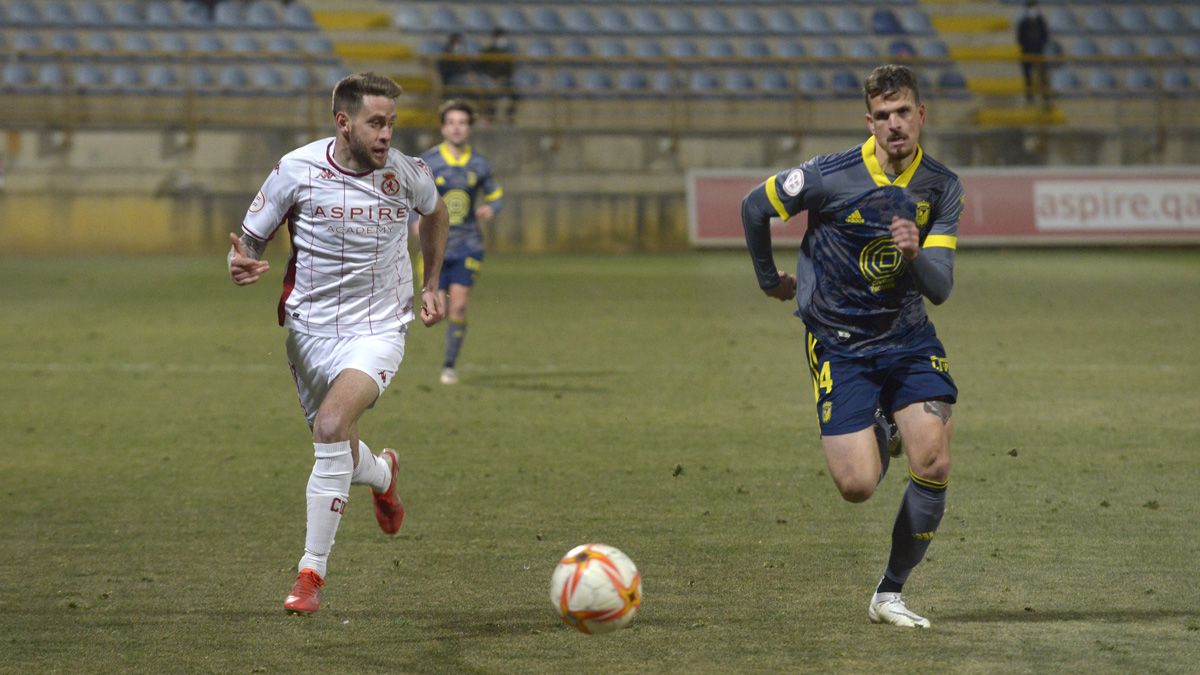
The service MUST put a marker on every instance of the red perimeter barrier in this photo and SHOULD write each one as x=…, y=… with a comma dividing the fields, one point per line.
x=1003, y=206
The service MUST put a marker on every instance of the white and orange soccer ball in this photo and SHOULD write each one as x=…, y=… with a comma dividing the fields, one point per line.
x=596, y=589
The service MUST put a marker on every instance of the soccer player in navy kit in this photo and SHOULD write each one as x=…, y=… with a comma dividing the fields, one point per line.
x=882, y=229
x=464, y=180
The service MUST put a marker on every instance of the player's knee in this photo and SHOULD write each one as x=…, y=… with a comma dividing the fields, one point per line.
x=934, y=467
x=330, y=427
x=855, y=490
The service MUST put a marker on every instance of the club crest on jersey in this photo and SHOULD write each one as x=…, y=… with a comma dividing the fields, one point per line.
x=390, y=185
x=260, y=200
x=794, y=183
x=922, y=213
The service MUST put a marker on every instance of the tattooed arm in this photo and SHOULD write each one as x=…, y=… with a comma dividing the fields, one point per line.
x=245, y=259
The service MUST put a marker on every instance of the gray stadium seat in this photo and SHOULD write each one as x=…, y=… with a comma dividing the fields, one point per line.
x=1101, y=81
x=862, y=49
x=885, y=22
x=577, y=48
x=793, y=49
x=1134, y=20
x=775, y=82
x=282, y=44
x=1082, y=47
x=1139, y=80
x=26, y=42
x=478, y=19
x=579, y=20
x=1159, y=47
x=719, y=49
x=648, y=48
x=1167, y=19
x=737, y=82
x=612, y=48
x=526, y=79
x=748, y=21
x=161, y=14
x=1190, y=47
x=663, y=82
x=1176, y=81
x=563, y=81
x=57, y=14
x=614, y=20
x=713, y=20
x=64, y=42
x=23, y=13
x=210, y=43
x=101, y=43
x=815, y=21
x=1063, y=81
x=298, y=17
x=232, y=77
x=227, y=15
x=137, y=43
x=546, y=20
x=845, y=84
x=262, y=15
x=321, y=44
x=126, y=76
x=952, y=82
x=849, y=21
x=901, y=49
x=703, y=82
x=513, y=20
x=88, y=76
x=127, y=14
x=298, y=77
x=201, y=78
x=1060, y=20
x=194, y=15
x=684, y=49
x=409, y=18
x=681, y=20
x=648, y=21
x=1099, y=19
x=827, y=49
x=17, y=75
x=1121, y=48
x=267, y=78
x=930, y=48
x=781, y=20
x=443, y=19
x=430, y=46
x=632, y=81
x=51, y=76
x=162, y=78
x=90, y=14
x=915, y=21
x=810, y=83
x=756, y=49
x=245, y=43
x=540, y=48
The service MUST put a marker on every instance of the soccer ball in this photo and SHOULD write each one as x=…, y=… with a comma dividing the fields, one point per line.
x=596, y=589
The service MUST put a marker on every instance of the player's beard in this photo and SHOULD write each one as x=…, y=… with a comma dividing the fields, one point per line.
x=362, y=155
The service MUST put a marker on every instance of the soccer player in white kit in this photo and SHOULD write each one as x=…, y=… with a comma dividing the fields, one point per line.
x=347, y=297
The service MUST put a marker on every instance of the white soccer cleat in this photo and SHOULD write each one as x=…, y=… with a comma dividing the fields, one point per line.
x=449, y=376
x=890, y=608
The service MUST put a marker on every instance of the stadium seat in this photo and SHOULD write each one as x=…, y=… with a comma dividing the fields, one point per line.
x=719, y=49
x=138, y=44
x=443, y=19
x=737, y=82
x=579, y=20
x=1100, y=20
x=91, y=14
x=632, y=81
x=849, y=21
x=161, y=78
x=612, y=48
x=161, y=14
x=1190, y=47
x=526, y=80
x=681, y=20
x=1167, y=19
x=827, y=49
x=1120, y=48
x=845, y=84
x=1134, y=20
x=23, y=13
x=613, y=20
x=576, y=47
x=227, y=15
x=916, y=21
x=282, y=43
x=1139, y=80
x=952, y=82
x=201, y=78
x=262, y=15
x=430, y=46
x=297, y=78
x=901, y=49
x=540, y=48
x=17, y=75
x=1159, y=47
x=64, y=42
x=792, y=49
x=267, y=79
x=127, y=14
x=194, y=15
x=684, y=49
x=810, y=83
x=88, y=76
x=513, y=20
x=232, y=77
x=298, y=17
x=1193, y=15
x=1082, y=47
x=716, y=21
x=663, y=82
x=703, y=82
x=57, y=14
x=862, y=49
x=409, y=18
x=126, y=76
x=748, y=21
x=244, y=43
x=563, y=82
x=756, y=49
x=648, y=22
x=782, y=21
x=1101, y=81
x=478, y=19
x=101, y=43
x=321, y=45
x=815, y=21
x=210, y=43
x=1064, y=82
x=885, y=22
x=51, y=76
x=930, y=48
x=546, y=20
x=332, y=75
x=26, y=42
x=1060, y=20
x=648, y=48
x=775, y=82
x=1176, y=81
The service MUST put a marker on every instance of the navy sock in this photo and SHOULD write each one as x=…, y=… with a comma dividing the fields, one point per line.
x=920, y=513
x=455, y=332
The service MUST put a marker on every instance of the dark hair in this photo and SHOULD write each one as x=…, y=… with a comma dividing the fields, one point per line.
x=889, y=80
x=459, y=105
x=349, y=92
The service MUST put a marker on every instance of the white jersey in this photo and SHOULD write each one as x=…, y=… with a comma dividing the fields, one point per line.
x=349, y=273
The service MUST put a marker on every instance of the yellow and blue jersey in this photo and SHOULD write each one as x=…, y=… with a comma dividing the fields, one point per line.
x=465, y=183
x=855, y=292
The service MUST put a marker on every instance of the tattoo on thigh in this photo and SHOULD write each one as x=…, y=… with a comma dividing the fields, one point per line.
x=939, y=408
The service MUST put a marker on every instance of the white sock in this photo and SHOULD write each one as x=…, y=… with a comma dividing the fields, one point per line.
x=371, y=470
x=328, y=491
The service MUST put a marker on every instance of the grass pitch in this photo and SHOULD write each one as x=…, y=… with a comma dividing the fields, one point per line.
x=153, y=461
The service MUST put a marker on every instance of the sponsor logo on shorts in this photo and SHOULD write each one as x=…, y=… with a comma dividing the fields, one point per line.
x=826, y=411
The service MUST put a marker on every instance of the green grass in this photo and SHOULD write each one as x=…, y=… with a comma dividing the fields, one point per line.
x=153, y=461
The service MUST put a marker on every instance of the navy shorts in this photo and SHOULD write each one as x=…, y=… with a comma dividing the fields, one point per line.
x=848, y=389
x=461, y=271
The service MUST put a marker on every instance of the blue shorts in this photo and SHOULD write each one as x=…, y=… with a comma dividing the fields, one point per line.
x=848, y=389
x=461, y=271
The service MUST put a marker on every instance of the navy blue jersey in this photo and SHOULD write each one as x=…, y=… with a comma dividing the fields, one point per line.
x=464, y=183
x=855, y=291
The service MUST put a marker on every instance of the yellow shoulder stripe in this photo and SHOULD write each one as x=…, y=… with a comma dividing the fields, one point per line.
x=773, y=196
x=493, y=196
x=941, y=241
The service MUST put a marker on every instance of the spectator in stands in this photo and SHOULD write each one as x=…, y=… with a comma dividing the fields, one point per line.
x=453, y=67
x=1033, y=37
x=497, y=65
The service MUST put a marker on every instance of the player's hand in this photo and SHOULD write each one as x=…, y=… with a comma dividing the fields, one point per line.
x=906, y=237
x=242, y=268
x=786, y=290
x=433, y=308
x=485, y=213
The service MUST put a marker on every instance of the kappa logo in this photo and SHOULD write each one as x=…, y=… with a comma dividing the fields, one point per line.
x=390, y=185
x=855, y=218
x=326, y=174
x=383, y=376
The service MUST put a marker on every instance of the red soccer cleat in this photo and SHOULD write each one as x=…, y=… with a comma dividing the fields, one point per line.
x=389, y=510
x=305, y=597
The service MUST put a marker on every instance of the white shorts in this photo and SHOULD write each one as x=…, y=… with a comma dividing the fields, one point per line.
x=317, y=361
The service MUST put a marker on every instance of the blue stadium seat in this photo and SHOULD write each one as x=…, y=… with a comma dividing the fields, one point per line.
x=579, y=20
x=138, y=44
x=901, y=49
x=430, y=46
x=126, y=76
x=91, y=14
x=161, y=78
x=703, y=82
x=51, y=76
x=775, y=82
x=663, y=82
x=1176, y=81
x=227, y=15
x=331, y=76
x=1064, y=82
x=719, y=49
x=282, y=43
x=1121, y=48
x=1167, y=19
x=201, y=78
x=756, y=49
x=64, y=42
x=1134, y=20
x=129, y=15
x=209, y=43
x=737, y=82
x=1139, y=81
x=244, y=43
x=513, y=20
x=682, y=20
x=262, y=15
x=845, y=84
x=577, y=48
x=194, y=15
x=1099, y=19
x=540, y=48
x=648, y=48
x=478, y=19
x=612, y=48
x=952, y=82
x=232, y=77
x=931, y=48
x=16, y=75
x=748, y=21
x=546, y=20
x=1193, y=15
x=25, y=42
x=525, y=79
x=885, y=22
x=614, y=20
x=648, y=21
x=89, y=76
x=101, y=43
x=1082, y=47
x=849, y=21
x=916, y=21
x=161, y=14
x=1101, y=81
x=713, y=20
x=815, y=21
x=563, y=81
x=57, y=13
x=1060, y=20
x=827, y=49
x=684, y=49
x=298, y=17
x=443, y=19
x=267, y=78
x=23, y=13
x=792, y=49
x=1159, y=47
x=321, y=44
x=1190, y=47
x=633, y=81
x=782, y=21
x=409, y=18
x=862, y=49
x=810, y=83
x=297, y=78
